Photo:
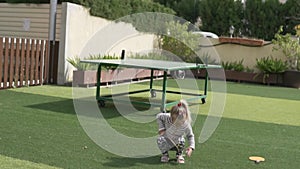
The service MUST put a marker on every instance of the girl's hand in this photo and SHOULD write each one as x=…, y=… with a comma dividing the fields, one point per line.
x=189, y=151
x=162, y=132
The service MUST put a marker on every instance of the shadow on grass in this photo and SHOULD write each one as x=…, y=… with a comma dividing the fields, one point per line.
x=252, y=89
x=36, y=101
x=55, y=104
x=123, y=162
x=66, y=106
x=62, y=106
x=263, y=91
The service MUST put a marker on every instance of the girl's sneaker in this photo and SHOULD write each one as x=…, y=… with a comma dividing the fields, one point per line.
x=180, y=159
x=164, y=158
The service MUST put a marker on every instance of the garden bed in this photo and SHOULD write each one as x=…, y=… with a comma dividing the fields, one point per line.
x=89, y=77
x=249, y=77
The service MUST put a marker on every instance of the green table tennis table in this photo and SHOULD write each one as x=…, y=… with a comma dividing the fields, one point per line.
x=165, y=66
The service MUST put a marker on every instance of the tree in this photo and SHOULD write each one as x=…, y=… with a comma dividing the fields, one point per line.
x=257, y=18
x=217, y=16
x=27, y=1
x=112, y=9
x=186, y=10
x=260, y=18
x=290, y=48
x=154, y=23
x=168, y=3
x=180, y=41
x=291, y=16
x=115, y=9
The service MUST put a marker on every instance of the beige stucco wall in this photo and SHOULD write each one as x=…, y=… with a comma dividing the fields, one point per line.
x=83, y=35
x=234, y=52
x=27, y=20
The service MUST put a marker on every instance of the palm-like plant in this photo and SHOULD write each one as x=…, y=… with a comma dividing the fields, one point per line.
x=75, y=61
x=290, y=48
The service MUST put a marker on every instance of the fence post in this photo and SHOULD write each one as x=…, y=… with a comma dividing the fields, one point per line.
x=17, y=65
x=22, y=65
x=52, y=24
x=5, y=76
x=1, y=57
x=11, y=61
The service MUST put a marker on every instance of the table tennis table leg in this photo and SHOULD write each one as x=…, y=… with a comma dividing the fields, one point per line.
x=205, y=86
x=100, y=102
x=163, y=100
x=151, y=80
x=152, y=92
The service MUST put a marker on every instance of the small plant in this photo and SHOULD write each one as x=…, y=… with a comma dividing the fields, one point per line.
x=206, y=59
x=75, y=61
x=269, y=65
x=290, y=48
x=111, y=67
x=236, y=66
x=180, y=41
x=227, y=65
x=249, y=70
x=152, y=55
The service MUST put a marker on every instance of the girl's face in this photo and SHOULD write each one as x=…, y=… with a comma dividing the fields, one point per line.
x=179, y=116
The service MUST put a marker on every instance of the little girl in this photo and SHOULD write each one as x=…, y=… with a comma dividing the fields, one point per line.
x=172, y=127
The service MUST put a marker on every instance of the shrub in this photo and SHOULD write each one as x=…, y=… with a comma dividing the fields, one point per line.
x=180, y=41
x=236, y=66
x=206, y=58
x=290, y=48
x=153, y=55
x=269, y=65
x=75, y=61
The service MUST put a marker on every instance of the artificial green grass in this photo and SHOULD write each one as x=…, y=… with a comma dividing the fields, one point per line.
x=9, y=163
x=39, y=125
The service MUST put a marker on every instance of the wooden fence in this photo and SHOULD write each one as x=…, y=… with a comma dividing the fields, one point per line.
x=23, y=62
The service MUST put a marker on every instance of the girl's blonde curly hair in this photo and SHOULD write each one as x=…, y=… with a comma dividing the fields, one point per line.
x=181, y=112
